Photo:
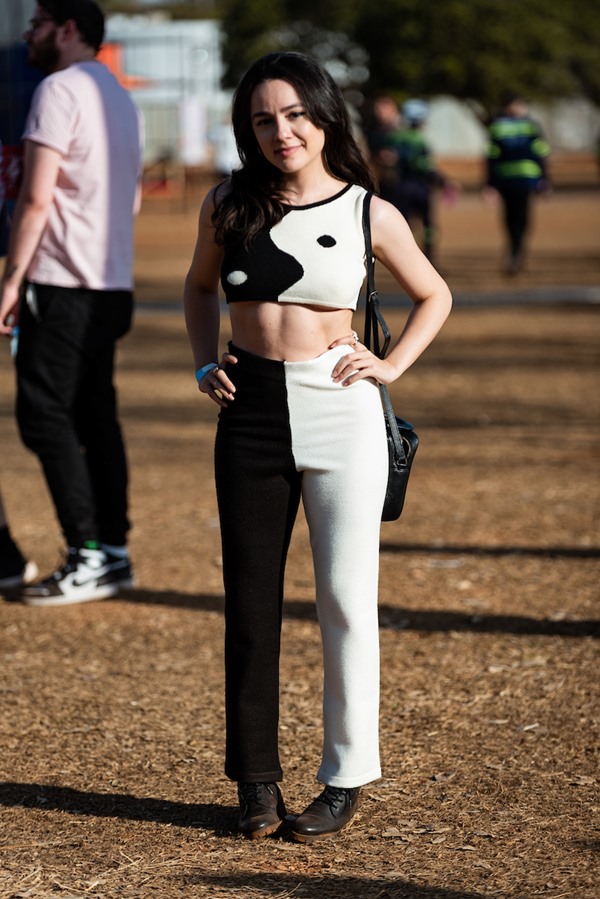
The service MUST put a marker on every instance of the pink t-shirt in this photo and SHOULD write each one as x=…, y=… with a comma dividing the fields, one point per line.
x=84, y=114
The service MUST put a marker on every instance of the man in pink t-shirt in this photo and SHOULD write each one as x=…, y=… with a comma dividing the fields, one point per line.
x=70, y=259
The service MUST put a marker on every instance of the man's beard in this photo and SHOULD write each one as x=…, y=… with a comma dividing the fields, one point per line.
x=44, y=55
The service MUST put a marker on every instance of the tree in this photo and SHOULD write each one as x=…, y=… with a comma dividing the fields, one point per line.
x=583, y=25
x=473, y=49
x=325, y=30
x=248, y=26
x=477, y=49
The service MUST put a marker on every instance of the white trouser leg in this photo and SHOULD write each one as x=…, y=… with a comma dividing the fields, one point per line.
x=338, y=441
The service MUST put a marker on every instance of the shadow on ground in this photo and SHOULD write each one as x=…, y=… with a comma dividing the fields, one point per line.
x=220, y=820
x=393, y=617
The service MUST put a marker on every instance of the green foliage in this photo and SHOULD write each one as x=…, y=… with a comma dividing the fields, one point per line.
x=582, y=21
x=254, y=27
x=473, y=49
x=249, y=27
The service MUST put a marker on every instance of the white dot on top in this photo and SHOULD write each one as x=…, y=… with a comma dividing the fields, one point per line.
x=236, y=278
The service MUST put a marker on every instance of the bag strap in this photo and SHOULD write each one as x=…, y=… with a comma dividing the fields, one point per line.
x=374, y=320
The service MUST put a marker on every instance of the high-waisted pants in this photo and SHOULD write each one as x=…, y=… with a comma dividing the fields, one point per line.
x=291, y=432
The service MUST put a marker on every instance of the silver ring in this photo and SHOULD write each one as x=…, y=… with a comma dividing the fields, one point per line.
x=355, y=335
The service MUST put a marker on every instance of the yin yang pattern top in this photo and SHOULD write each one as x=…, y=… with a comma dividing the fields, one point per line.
x=314, y=256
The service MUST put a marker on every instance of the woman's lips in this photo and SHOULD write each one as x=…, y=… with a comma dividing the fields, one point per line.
x=287, y=151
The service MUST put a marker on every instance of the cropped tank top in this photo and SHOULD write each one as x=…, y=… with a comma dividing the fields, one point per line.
x=314, y=256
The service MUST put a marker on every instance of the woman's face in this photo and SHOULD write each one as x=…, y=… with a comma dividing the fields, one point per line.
x=286, y=136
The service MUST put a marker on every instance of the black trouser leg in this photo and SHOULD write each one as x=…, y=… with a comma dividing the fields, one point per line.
x=258, y=491
x=516, y=218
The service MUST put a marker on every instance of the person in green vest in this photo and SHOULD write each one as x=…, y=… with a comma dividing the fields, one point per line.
x=517, y=157
x=404, y=165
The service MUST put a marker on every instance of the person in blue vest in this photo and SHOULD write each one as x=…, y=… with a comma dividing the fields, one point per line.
x=517, y=156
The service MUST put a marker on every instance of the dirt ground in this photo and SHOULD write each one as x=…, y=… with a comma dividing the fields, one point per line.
x=111, y=733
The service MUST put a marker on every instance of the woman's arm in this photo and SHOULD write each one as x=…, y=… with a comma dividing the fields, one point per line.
x=201, y=305
x=395, y=247
x=200, y=292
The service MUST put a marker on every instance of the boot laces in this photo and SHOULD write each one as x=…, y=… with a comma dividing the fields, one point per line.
x=332, y=796
x=253, y=792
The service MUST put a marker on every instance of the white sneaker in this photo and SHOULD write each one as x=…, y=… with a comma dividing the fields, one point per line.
x=88, y=574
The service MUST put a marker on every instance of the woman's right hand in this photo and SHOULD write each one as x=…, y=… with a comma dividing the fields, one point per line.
x=217, y=385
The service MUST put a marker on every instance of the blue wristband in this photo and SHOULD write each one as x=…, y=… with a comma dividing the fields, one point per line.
x=205, y=370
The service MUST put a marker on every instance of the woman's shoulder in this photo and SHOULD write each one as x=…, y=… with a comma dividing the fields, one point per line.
x=218, y=193
x=383, y=209
x=213, y=199
x=388, y=225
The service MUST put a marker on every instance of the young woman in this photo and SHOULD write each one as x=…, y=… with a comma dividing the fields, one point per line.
x=300, y=417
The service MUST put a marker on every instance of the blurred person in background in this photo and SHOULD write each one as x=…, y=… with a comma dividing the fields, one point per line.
x=70, y=258
x=404, y=165
x=419, y=176
x=224, y=150
x=15, y=570
x=382, y=137
x=517, y=169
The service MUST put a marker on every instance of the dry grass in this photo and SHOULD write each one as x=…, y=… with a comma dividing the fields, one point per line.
x=111, y=733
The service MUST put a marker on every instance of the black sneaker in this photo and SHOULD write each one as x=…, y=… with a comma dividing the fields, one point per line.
x=88, y=574
x=327, y=814
x=262, y=809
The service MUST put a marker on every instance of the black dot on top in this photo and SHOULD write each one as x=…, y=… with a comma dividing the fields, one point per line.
x=326, y=240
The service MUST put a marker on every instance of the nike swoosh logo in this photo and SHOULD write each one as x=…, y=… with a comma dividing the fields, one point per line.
x=106, y=569
x=77, y=583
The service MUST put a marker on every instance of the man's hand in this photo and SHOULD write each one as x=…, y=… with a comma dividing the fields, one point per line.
x=9, y=308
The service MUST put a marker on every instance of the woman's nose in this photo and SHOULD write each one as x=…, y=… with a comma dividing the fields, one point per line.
x=282, y=127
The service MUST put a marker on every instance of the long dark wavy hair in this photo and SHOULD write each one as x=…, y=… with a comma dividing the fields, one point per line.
x=253, y=203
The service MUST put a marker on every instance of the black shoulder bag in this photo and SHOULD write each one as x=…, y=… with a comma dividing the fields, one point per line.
x=402, y=439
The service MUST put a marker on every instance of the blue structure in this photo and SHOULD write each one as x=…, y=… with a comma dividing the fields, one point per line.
x=18, y=81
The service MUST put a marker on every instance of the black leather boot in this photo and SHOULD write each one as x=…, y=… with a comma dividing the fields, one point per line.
x=262, y=809
x=326, y=815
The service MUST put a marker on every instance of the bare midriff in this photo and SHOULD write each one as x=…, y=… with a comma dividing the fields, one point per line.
x=287, y=332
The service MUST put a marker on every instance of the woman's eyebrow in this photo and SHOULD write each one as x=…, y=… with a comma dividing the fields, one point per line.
x=283, y=109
